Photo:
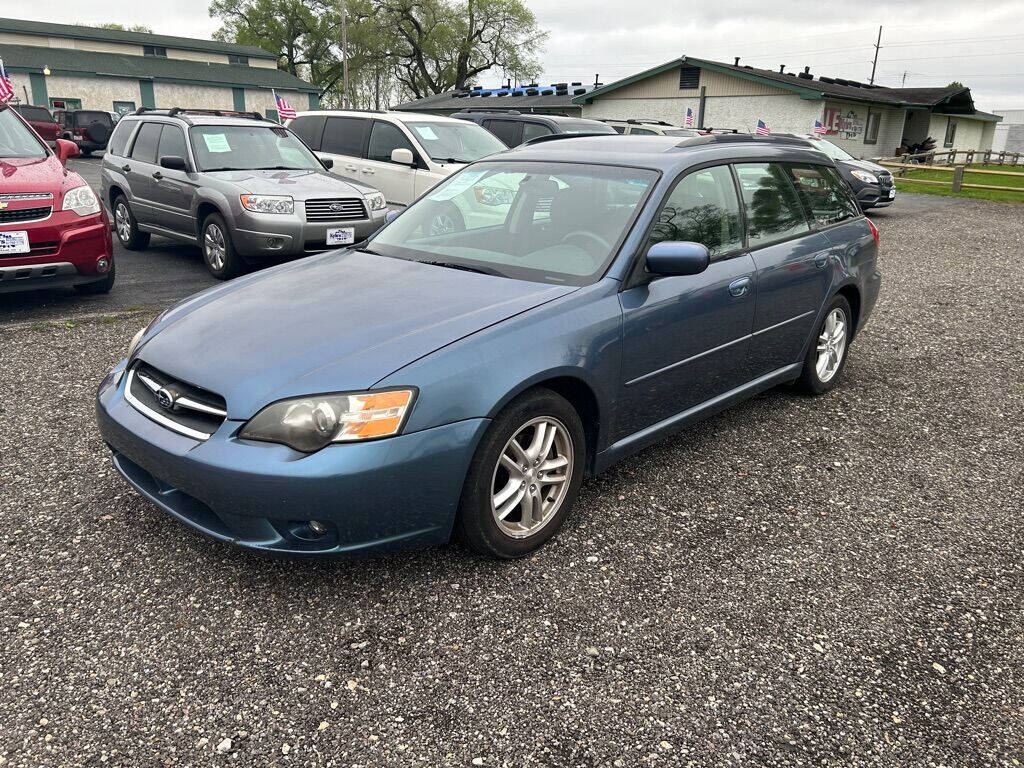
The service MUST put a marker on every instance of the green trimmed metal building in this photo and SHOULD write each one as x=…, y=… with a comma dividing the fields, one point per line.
x=64, y=66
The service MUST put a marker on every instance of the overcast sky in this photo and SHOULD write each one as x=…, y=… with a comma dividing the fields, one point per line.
x=932, y=41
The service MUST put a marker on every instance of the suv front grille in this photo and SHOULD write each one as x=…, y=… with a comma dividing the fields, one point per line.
x=176, y=405
x=335, y=209
x=25, y=214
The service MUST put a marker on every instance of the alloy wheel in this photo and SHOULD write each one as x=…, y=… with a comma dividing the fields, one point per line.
x=214, y=247
x=123, y=222
x=831, y=345
x=531, y=478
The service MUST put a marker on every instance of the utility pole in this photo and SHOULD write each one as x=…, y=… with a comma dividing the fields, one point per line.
x=344, y=55
x=878, y=46
x=904, y=83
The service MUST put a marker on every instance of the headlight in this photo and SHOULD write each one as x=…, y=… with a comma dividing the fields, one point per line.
x=268, y=203
x=376, y=201
x=867, y=178
x=81, y=200
x=493, y=195
x=135, y=341
x=308, y=424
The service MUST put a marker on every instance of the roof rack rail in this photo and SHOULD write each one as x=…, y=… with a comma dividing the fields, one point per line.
x=741, y=138
x=492, y=110
x=184, y=111
x=561, y=136
x=647, y=120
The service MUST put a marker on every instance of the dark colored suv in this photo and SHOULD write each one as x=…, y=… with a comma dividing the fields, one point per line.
x=515, y=128
x=90, y=129
x=873, y=184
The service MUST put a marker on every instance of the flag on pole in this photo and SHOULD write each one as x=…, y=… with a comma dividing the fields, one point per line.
x=689, y=117
x=6, y=89
x=285, y=111
x=819, y=128
x=762, y=128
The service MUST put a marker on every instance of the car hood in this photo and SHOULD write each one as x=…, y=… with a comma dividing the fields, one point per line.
x=35, y=174
x=302, y=185
x=862, y=165
x=330, y=323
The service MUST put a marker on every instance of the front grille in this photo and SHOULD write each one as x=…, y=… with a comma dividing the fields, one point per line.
x=335, y=209
x=884, y=179
x=24, y=214
x=12, y=196
x=176, y=405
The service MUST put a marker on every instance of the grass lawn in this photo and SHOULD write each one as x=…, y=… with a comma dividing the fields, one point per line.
x=906, y=183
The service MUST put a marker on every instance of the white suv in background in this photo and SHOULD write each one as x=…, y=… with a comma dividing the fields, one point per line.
x=401, y=154
x=641, y=127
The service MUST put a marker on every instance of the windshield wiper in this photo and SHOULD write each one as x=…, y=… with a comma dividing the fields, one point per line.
x=214, y=170
x=279, y=168
x=463, y=267
x=451, y=160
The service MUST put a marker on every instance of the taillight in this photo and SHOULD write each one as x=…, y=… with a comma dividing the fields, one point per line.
x=874, y=233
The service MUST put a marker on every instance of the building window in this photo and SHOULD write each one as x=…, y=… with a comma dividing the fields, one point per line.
x=871, y=127
x=689, y=78
x=154, y=50
x=241, y=61
x=950, y=133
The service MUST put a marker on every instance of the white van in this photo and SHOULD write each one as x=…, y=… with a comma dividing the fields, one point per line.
x=402, y=154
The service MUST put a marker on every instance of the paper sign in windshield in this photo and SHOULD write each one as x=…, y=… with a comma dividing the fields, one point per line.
x=216, y=142
x=426, y=132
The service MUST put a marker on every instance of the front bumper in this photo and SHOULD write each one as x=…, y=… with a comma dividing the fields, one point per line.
x=66, y=249
x=268, y=235
x=376, y=496
x=877, y=195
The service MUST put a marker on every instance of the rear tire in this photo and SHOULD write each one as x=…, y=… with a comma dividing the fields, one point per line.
x=127, y=227
x=218, y=251
x=98, y=286
x=828, y=349
x=524, y=477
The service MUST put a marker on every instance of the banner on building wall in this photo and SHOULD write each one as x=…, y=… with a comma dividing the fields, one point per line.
x=848, y=126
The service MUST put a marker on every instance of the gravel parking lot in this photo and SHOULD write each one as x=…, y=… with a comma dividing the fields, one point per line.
x=821, y=582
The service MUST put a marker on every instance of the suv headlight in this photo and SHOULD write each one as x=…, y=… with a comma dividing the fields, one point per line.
x=308, y=424
x=268, y=203
x=376, y=201
x=135, y=341
x=82, y=200
x=867, y=178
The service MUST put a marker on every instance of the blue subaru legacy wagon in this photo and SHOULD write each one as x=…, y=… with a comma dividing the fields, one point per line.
x=534, y=318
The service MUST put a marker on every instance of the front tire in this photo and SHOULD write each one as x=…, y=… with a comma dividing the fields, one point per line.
x=218, y=251
x=524, y=477
x=98, y=286
x=827, y=352
x=127, y=227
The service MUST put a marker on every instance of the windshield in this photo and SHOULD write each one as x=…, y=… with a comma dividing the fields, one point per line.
x=830, y=149
x=584, y=126
x=250, y=148
x=460, y=142
x=547, y=222
x=16, y=139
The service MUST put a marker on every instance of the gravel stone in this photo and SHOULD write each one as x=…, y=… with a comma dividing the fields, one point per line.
x=795, y=582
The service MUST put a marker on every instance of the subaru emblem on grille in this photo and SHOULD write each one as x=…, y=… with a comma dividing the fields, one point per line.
x=165, y=398
x=336, y=207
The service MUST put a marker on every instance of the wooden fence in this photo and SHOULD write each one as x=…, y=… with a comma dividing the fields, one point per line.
x=956, y=183
x=949, y=157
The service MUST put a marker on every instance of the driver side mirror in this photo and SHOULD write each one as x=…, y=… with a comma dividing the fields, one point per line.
x=327, y=162
x=173, y=163
x=66, y=149
x=402, y=156
x=391, y=216
x=677, y=258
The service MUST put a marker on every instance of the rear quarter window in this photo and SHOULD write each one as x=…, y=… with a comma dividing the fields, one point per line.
x=119, y=139
x=309, y=128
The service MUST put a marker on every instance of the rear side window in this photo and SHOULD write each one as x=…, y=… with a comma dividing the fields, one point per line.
x=506, y=130
x=823, y=194
x=533, y=130
x=84, y=118
x=119, y=138
x=385, y=138
x=703, y=208
x=146, y=142
x=309, y=128
x=345, y=136
x=38, y=114
x=774, y=212
x=172, y=143
x=641, y=131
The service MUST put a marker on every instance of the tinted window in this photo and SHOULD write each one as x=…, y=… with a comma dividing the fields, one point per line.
x=84, y=118
x=533, y=130
x=309, y=128
x=773, y=209
x=702, y=208
x=506, y=130
x=172, y=143
x=119, y=139
x=641, y=131
x=146, y=142
x=384, y=138
x=823, y=194
x=39, y=114
x=619, y=128
x=345, y=136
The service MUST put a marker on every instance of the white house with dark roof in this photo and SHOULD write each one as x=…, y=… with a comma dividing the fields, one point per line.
x=66, y=66
x=866, y=120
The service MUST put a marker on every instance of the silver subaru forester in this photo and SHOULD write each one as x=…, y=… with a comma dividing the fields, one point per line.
x=244, y=189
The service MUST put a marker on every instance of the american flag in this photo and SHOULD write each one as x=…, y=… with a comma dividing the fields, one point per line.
x=6, y=89
x=819, y=128
x=285, y=111
x=689, y=117
x=762, y=128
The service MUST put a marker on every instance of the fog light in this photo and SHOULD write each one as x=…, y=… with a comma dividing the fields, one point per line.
x=317, y=527
x=274, y=242
x=102, y=265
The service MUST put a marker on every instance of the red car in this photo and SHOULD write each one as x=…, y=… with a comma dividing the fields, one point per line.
x=53, y=230
x=42, y=121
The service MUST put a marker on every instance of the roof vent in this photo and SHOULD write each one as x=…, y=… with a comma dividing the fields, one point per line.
x=805, y=76
x=547, y=92
x=736, y=63
x=782, y=68
x=575, y=84
x=824, y=79
x=531, y=91
x=807, y=70
x=578, y=91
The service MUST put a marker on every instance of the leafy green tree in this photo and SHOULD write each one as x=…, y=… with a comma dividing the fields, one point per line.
x=123, y=28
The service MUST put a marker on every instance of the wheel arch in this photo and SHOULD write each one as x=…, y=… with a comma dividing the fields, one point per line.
x=851, y=293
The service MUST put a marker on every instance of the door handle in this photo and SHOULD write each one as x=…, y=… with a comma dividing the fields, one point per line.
x=739, y=287
x=821, y=259
x=351, y=168
x=367, y=171
x=126, y=168
x=158, y=175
